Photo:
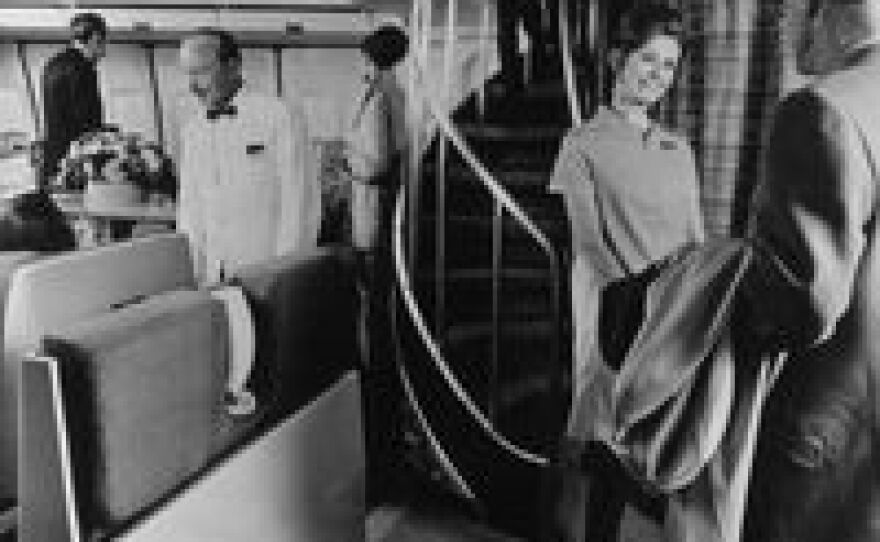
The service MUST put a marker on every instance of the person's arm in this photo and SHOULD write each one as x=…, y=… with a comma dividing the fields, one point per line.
x=572, y=177
x=190, y=203
x=56, y=113
x=364, y=155
x=697, y=223
x=299, y=216
x=87, y=96
x=808, y=230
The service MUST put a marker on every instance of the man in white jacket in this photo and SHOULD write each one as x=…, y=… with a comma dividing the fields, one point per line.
x=248, y=184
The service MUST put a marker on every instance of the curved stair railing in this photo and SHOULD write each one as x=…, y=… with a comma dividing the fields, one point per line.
x=439, y=360
x=407, y=295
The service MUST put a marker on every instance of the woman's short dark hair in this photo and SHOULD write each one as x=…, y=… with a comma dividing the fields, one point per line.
x=644, y=21
x=386, y=46
x=84, y=25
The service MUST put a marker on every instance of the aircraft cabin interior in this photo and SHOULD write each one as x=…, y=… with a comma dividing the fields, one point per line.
x=339, y=270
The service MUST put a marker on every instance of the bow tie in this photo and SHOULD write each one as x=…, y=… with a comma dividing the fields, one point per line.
x=226, y=110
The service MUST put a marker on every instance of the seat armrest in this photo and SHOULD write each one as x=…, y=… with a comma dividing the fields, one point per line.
x=304, y=480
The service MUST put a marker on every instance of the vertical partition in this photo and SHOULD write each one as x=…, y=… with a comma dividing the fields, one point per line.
x=126, y=88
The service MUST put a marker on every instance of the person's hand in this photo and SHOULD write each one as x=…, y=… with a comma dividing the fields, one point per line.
x=337, y=164
x=570, y=453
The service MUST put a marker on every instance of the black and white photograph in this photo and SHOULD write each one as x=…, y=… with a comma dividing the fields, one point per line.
x=439, y=270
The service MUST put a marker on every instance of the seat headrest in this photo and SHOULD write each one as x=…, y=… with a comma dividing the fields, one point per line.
x=62, y=289
x=59, y=290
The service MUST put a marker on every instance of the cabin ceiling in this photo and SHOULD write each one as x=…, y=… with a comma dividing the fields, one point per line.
x=468, y=9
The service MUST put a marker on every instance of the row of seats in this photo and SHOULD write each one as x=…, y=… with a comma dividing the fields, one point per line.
x=140, y=355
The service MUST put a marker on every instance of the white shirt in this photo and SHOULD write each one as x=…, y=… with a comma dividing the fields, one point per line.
x=249, y=189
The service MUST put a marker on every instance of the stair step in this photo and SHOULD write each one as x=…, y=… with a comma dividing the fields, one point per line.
x=468, y=242
x=477, y=230
x=485, y=274
x=535, y=145
x=463, y=333
x=534, y=99
x=535, y=105
x=472, y=300
x=524, y=350
x=540, y=89
x=508, y=134
x=457, y=170
x=487, y=222
x=523, y=346
x=469, y=197
x=505, y=273
x=524, y=389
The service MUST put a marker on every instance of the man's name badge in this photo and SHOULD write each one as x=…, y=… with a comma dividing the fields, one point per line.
x=255, y=148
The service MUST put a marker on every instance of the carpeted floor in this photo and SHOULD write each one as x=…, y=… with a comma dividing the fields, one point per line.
x=400, y=525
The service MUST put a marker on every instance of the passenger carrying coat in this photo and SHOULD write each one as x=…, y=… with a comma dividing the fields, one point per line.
x=806, y=288
x=813, y=289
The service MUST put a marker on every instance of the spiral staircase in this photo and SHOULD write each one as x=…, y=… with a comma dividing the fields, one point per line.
x=481, y=315
x=495, y=300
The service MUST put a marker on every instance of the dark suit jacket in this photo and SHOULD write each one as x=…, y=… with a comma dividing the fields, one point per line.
x=71, y=104
x=814, y=290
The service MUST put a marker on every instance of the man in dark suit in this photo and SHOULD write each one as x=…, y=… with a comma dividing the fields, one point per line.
x=813, y=289
x=71, y=94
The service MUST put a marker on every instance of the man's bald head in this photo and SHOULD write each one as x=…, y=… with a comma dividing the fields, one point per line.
x=212, y=61
x=857, y=15
x=215, y=41
x=829, y=30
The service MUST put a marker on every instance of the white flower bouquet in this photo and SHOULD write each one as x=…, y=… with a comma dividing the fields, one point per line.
x=109, y=157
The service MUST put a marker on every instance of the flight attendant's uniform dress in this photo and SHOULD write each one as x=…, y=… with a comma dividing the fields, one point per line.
x=249, y=189
x=377, y=144
x=632, y=198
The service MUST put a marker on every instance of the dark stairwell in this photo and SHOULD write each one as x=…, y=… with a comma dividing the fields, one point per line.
x=497, y=304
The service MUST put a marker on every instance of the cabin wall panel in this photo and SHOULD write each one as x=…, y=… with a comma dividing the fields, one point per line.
x=36, y=55
x=328, y=82
x=15, y=107
x=127, y=90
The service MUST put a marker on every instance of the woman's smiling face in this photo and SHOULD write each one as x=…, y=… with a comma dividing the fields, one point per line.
x=648, y=71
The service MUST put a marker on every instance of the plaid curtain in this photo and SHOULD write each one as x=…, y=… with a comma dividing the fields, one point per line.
x=731, y=79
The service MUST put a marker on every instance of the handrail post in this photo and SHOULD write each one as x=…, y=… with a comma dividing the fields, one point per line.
x=497, y=253
x=440, y=238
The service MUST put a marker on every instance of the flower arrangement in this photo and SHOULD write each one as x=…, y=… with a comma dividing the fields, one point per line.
x=111, y=157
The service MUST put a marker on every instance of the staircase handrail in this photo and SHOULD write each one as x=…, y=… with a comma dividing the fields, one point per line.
x=506, y=200
x=424, y=332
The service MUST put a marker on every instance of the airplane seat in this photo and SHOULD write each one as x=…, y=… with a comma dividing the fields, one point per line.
x=143, y=389
x=66, y=288
x=9, y=262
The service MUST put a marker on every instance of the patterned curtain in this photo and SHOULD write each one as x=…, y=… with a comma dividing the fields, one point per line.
x=731, y=80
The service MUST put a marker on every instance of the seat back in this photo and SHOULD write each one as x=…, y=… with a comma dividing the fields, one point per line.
x=305, y=308
x=9, y=262
x=116, y=381
x=63, y=289
x=140, y=391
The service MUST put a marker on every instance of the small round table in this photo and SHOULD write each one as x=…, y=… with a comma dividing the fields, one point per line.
x=100, y=226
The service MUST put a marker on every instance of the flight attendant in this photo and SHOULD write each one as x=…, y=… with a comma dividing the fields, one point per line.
x=377, y=145
x=632, y=199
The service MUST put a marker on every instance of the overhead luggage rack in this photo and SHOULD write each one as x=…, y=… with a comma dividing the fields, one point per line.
x=302, y=24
